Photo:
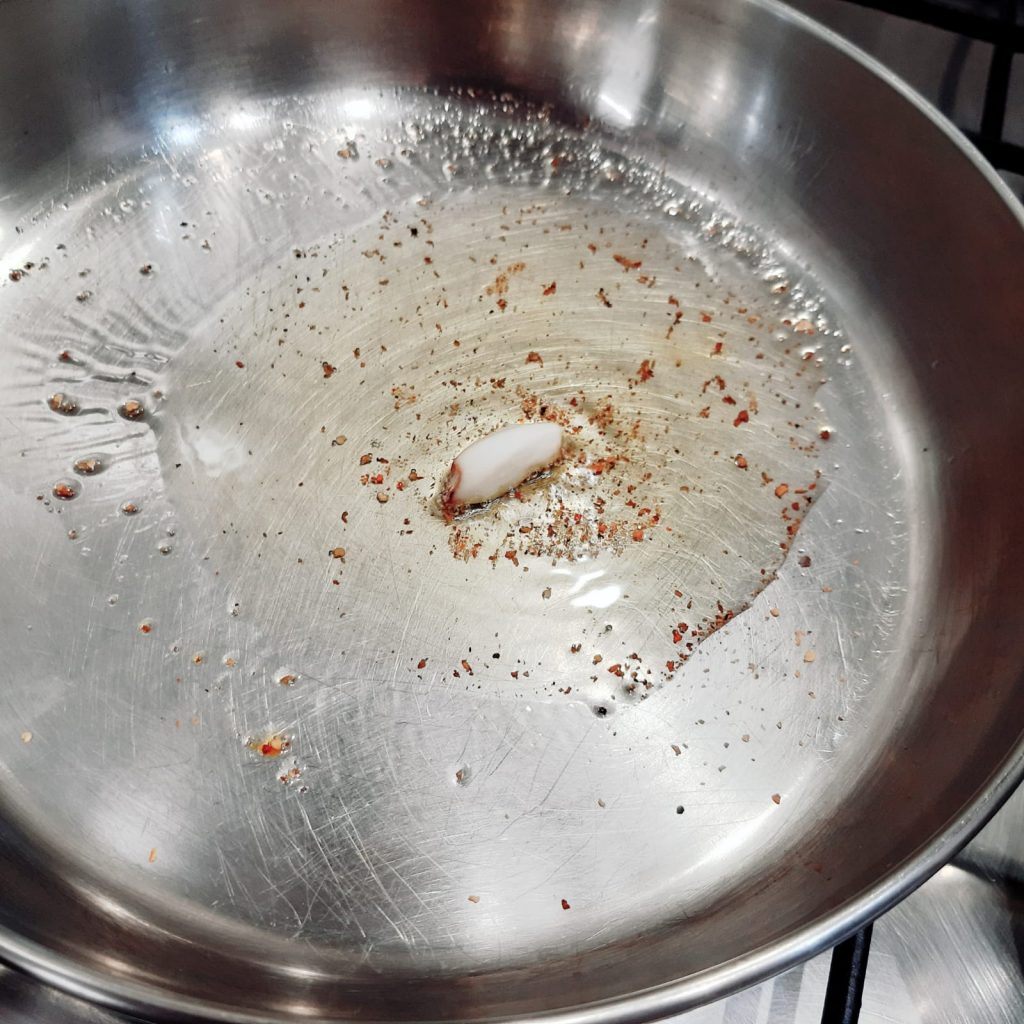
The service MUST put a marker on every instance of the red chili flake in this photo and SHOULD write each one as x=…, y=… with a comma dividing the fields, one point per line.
x=805, y=561
x=670, y=665
x=625, y=261
x=65, y=356
x=514, y=675
x=414, y=476
x=673, y=301
x=616, y=670
x=16, y=275
x=422, y=663
x=534, y=357
x=728, y=400
x=782, y=490
x=549, y=289
x=377, y=478
x=240, y=364
x=576, y=648
x=682, y=627
x=328, y=369
x=64, y=491
x=706, y=318
x=565, y=904
x=466, y=666
x=646, y=371
x=337, y=553
x=741, y=461
x=344, y=518
x=741, y=417
x=145, y=628
x=717, y=350
x=824, y=434
x=677, y=637
x=638, y=535
x=776, y=798
x=400, y=485
x=592, y=247
x=288, y=679
x=603, y=296
x=705, y=412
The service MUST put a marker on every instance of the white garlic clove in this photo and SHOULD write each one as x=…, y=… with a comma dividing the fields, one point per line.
x=496, y=463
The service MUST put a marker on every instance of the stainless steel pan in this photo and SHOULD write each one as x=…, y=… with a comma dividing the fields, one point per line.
x=279, y=742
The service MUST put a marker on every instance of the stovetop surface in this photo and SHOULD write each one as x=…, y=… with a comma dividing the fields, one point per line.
x=952, y=952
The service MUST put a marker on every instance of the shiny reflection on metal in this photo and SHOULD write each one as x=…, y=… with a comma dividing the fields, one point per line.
x=156, y=869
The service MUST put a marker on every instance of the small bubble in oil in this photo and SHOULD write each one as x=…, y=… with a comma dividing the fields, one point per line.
x=65, y=490
x=112, y=599
x=131, y=409
x=88, y=466
x=62, y=403
x=165, y=549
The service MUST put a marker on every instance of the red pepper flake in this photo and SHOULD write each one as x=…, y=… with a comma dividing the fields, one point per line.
x=145, y=627
x=422, y=663
x=824, y=434
x=638, y=535
x=705, y=412
x=646, y=371
x=534, y=357
x=414, y=476
x=677, y=637
x=327, y=368
x=603, y=296
x=64, y=491
x=741, y=461
x=776, y=798
x=270, y=747
x=576, y=648
x=287, y=679
x=473, y=899
x=549, y=289
x=673, y=301
x=592, y=247
x=240, y=364
x=782, y=490
x=565, y=904
x=741, y=417
x=670, y=665
x=152, y=856
x=466, y=666
x=717, y=350
x=627, y=263
x=377, y=479
x=616, y=670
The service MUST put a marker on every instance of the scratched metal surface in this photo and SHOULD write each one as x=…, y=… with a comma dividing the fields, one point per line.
x=250, y=776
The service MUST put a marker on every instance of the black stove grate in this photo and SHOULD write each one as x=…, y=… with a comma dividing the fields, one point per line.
x=997, y=22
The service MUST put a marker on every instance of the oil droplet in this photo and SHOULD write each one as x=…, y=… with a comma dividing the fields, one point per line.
x=113, y=599
x=165, y=549
x=63, y=403
x=131, y=409
x=65, y=490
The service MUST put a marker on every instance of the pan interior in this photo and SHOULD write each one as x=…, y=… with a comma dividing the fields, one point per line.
x=281, y=704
